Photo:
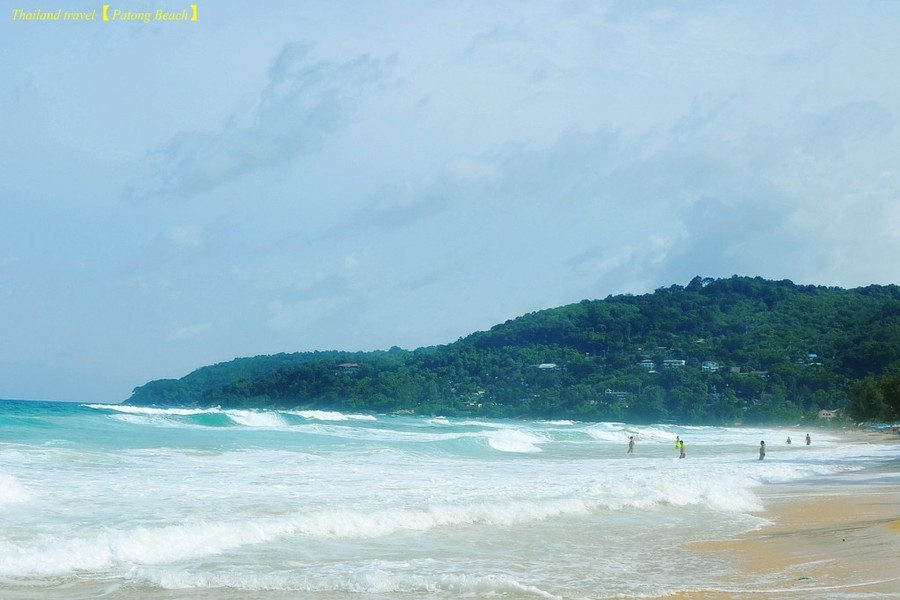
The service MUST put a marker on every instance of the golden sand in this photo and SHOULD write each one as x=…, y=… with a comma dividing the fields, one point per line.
x=824, y=541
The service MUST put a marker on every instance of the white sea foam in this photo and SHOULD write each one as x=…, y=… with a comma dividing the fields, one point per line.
x=52, y=555
x=169, y=544
x=652, y=434
x=255, y=418
x=512, y=440
x=12, y=490
x=479, y=423
x=155, y=420
x=374, y=577
x=302, y=503
x=608, y=432
x=330, y=415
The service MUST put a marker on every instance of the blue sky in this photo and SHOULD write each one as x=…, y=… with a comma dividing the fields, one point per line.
x=293, y=176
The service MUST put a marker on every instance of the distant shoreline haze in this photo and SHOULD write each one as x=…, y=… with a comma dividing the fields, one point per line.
x=733, y=350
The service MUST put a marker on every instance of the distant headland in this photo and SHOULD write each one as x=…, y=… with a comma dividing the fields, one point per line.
x=737, y=349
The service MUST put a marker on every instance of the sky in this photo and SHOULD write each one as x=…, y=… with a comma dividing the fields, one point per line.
x=288, y=176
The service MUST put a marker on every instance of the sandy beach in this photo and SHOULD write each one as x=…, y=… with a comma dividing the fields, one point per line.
x=835, y=539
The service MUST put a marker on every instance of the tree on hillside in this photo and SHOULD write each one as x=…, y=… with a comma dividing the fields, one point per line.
x=866, y=401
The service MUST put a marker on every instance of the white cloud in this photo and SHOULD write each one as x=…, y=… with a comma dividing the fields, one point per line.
x=184, y=236
x=412, y=173
x=188, y=331
x=304, y=102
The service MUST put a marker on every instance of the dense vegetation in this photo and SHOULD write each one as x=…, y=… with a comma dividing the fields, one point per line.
x=714, y=351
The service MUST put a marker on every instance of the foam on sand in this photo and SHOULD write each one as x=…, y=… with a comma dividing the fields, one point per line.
x=820, y=540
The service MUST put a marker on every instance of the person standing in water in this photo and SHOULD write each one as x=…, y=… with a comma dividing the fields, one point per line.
x=808, y=440
x=681, y=449
x=762, y=450
x=631, y=445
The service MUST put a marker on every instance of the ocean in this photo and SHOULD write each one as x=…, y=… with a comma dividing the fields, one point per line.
x=124, y=502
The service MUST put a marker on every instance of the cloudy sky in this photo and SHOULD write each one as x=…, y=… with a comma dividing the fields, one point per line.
x=292, y=176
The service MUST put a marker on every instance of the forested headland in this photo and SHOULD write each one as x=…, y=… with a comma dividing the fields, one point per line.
x=729, y=350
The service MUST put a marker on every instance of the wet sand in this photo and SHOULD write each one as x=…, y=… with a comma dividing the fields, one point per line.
x=830, y=540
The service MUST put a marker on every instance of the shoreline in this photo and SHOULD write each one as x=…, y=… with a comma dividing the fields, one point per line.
x=834, y=539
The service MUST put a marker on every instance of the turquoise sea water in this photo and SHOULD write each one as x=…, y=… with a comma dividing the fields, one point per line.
x=129, y=502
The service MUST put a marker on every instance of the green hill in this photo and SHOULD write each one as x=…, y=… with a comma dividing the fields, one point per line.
x=714, y=351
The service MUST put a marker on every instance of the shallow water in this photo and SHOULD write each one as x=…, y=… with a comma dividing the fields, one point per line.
x=131, y=502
